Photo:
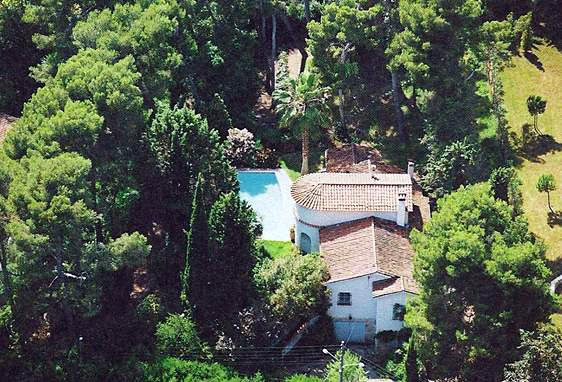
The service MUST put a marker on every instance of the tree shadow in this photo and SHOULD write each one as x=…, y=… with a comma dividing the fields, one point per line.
x=533, y=59
x=554, y=218
x=555, y=266
x=534, y=145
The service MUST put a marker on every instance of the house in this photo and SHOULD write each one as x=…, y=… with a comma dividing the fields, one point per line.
x=358, y=215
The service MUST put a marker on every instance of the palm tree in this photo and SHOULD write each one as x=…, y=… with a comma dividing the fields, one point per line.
x=302, y=104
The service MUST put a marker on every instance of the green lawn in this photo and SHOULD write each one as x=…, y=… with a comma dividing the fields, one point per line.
x=277, y=248
x=545, y=80
x=292, y=162
x=520, y=81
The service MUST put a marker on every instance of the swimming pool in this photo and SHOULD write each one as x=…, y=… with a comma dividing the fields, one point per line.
x=268, y=194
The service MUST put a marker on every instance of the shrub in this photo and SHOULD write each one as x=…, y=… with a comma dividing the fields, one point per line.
x=241, y=148
x=177, y=337
x=293, y=285
x=174, y=369
x=303, y=378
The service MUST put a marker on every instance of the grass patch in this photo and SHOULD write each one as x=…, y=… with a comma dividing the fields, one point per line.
x=277, y=248
x=540, y=75
x=292, y=162
x=557, y=320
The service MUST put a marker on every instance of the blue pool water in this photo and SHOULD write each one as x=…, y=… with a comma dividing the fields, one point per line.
x=270, y=200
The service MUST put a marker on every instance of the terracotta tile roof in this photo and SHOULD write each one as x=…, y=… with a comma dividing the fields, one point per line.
x=365, y=246
x=5, y=122
x=352, y=192
x=356, y=159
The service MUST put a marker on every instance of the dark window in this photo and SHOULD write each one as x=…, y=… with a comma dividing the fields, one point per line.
x=398, y=312
x=305, y=242
x=344, y=298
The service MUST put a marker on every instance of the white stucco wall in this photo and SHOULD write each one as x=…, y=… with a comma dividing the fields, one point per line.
x=385, y=307
x=363, y=308
x=316, y=219
x=363, y=305
x=325, y=218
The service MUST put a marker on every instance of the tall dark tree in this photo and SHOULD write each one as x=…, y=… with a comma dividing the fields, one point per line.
x=197, y=277
x=234, y=230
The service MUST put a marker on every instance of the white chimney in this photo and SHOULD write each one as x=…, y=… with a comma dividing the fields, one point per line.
x=401, y=214
x=411, y=169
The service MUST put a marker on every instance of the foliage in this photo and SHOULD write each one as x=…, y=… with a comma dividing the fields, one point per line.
x=196, y=276
x=472, y=261
x=536, y=105
x=177, y=337
x=352, y=370
x=182, y=147
x=541, y=357
x=411, y=362
x=302, y=107
x=18, y=54
x=241, y=148
x=524, y=32
x=449, y=167
x=303, y=378
x=506, y=184
x=546, y=184
x=293, y=285
x=174, y=369
x=234, y=230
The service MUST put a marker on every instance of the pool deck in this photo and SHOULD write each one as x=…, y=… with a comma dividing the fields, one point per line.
x=285, y=184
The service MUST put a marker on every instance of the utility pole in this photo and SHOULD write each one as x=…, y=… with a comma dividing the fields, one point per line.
x=341, y=362
x=342, y=351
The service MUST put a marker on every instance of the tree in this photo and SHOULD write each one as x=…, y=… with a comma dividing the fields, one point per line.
x=303, y=108
x=293, y=285
x=177, y=337
x=234, y=230
x=541, y=357
x=536, y=105
x=412, y=372
x=546, y=183
x=352, y=368
x=506, y=185
x=346, y=36
x=182, y=147
x=473, y=260
x=196, y=278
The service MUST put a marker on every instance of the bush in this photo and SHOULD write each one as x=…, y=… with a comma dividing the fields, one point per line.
x=303, y=378
x=241, y=148
x=174, y=369
x=293, y=285
x=177, y=337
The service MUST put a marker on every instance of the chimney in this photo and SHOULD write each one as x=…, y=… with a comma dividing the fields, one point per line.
x=411, y=169
x=401, y=214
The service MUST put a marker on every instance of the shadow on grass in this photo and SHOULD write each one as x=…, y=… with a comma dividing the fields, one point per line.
x=554, y=218
x=555, y=267
x=534, y=59
x=535, y=145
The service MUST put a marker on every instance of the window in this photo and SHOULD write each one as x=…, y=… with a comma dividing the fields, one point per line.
x=398, y=312
x=305, y=242
x=344, y=298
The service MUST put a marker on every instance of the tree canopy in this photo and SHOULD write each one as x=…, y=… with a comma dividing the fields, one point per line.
x=473, y=262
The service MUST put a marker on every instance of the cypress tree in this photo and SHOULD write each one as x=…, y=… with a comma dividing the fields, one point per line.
x=194, y=279
x=412, y=373
x=234, y=230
